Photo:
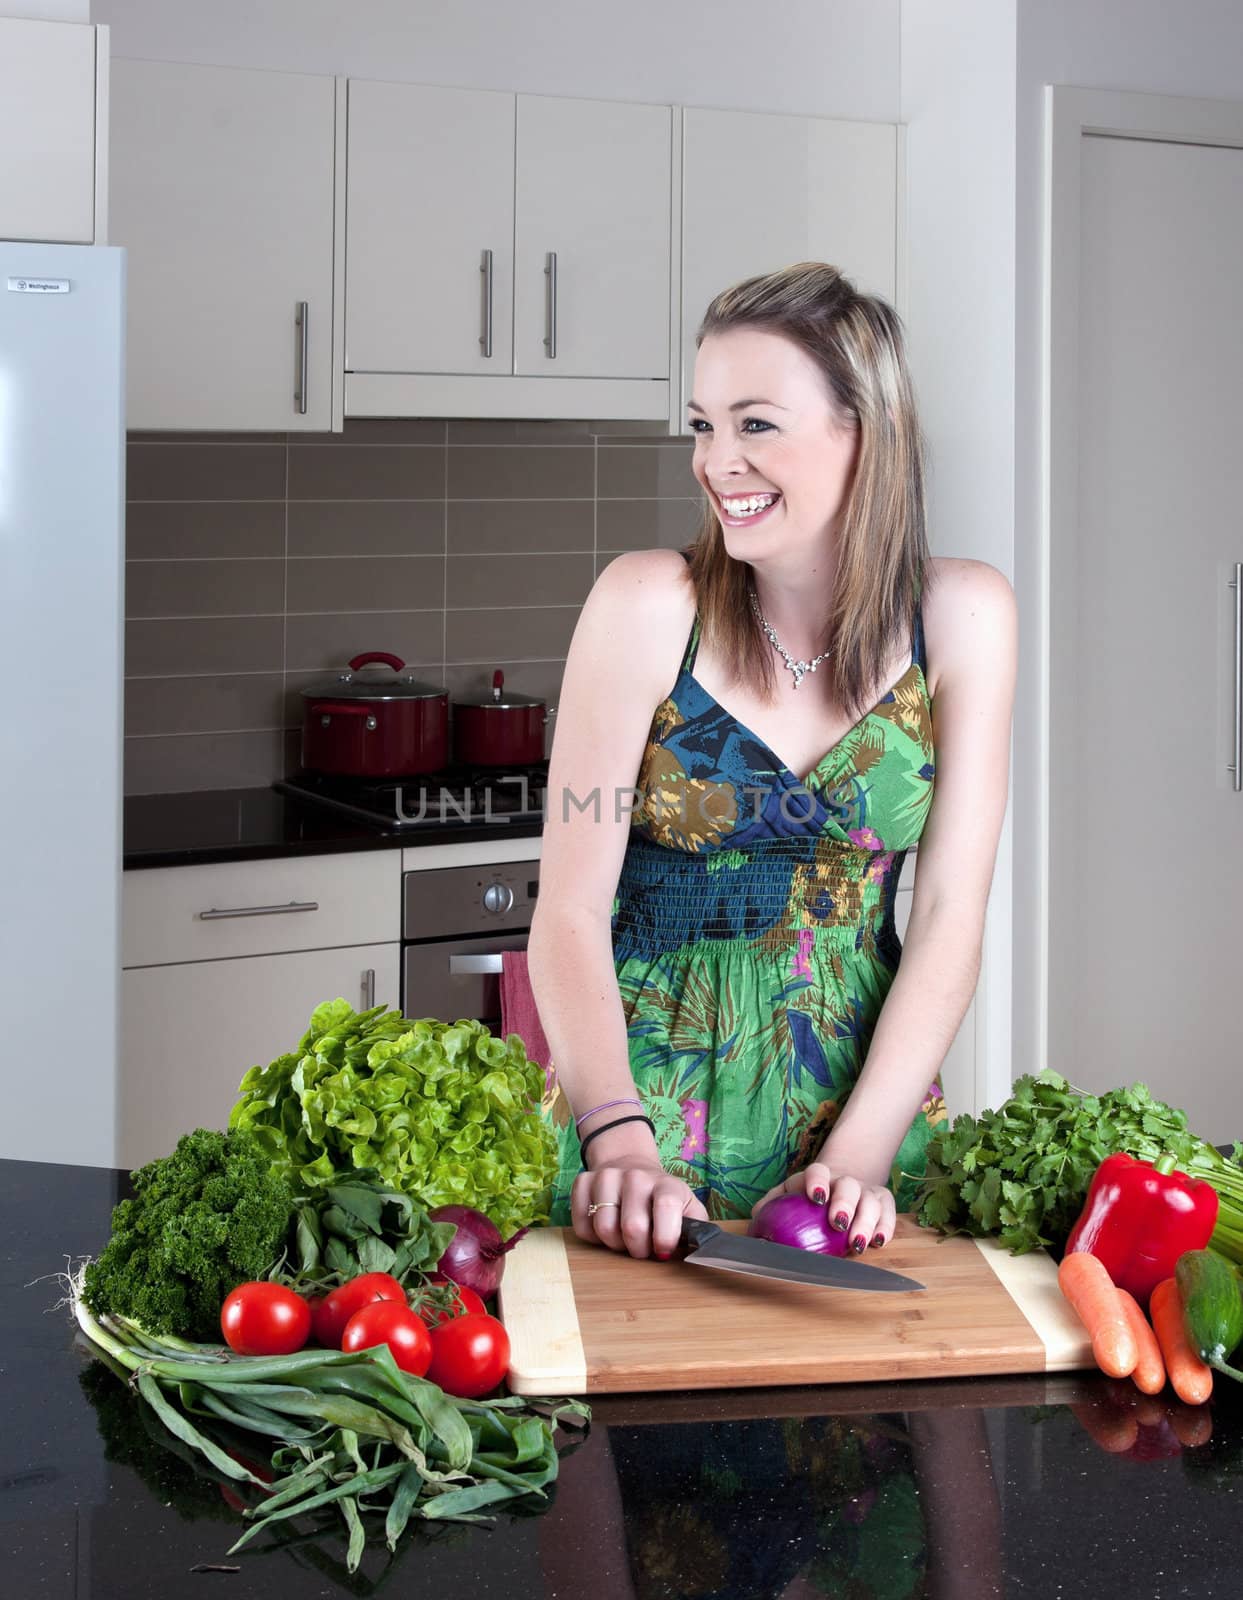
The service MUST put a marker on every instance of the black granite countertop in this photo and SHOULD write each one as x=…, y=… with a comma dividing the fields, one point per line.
x=883, y=1491
x=180, y=830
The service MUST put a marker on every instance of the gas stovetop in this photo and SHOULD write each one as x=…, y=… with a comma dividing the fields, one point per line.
x=475, y=797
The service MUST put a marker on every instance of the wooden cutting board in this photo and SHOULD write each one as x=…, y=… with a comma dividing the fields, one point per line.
x=586, y=1320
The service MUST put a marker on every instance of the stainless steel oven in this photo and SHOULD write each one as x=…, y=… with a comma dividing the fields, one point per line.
x=456, y=922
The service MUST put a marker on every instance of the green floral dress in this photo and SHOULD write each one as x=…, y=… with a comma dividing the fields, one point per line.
x=754, y=938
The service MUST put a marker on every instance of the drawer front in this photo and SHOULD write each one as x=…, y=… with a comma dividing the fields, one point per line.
x=249, y=908
x=190, y=1033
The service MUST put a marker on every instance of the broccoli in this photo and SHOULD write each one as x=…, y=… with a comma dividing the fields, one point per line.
x=204, y=1219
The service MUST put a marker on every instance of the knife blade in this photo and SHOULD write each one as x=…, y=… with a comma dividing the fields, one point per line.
x=710, y=1246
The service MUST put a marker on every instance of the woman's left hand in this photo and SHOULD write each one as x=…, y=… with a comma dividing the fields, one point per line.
x=865, y=1211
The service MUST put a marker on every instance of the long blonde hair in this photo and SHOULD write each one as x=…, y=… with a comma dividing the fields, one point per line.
x=857, y=341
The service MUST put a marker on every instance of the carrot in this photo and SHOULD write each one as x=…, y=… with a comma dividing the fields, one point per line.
x=1114, y=1431
x=1193, y=1426
x=1149, y=1374
x=1149, y=1412
x=1091, y=1292
x=1192, y=1380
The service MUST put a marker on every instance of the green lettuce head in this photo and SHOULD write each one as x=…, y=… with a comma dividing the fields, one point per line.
x=442, y=1111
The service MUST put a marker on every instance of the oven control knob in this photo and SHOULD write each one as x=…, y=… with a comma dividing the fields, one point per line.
x=498, y=898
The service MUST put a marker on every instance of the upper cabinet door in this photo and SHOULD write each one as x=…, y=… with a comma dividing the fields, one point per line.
x=47, y=130
x=429, y=230
x=222, y=192
x=762, y=192
x=592, y=239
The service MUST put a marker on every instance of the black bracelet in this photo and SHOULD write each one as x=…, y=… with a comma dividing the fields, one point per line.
x=582, y=1149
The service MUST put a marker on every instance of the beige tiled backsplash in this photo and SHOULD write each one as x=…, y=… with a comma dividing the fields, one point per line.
x=256, y=563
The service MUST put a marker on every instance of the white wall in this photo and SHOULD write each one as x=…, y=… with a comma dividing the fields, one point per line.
x=48, y=10
x=1194, y=47
x=812, y=57
x=958, y=101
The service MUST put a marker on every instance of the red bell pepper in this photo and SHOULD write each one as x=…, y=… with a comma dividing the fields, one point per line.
x=1139, y=1217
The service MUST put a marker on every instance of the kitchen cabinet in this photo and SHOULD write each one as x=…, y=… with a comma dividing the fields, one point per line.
x=223, y=193
x=252, y=908
x=223, y=965
x=53, y=130
x=189, y=1032
x=430, y=183
x=507, y=255
x=761, y=192
x=591, y=239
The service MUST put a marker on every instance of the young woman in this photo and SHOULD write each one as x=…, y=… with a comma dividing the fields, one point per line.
x=750, y=737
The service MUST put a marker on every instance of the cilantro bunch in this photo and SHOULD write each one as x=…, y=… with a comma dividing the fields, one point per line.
x=442, y=1112
x=1022, y=1172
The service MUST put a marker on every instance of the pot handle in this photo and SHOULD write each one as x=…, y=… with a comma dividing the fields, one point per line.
x=341, y=708
x=377, y=655
x=498, y=683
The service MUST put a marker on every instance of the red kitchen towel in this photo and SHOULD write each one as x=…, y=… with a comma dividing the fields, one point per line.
x=518, y=1012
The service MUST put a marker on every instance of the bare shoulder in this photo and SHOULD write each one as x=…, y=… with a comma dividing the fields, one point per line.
x=970, y=619
x=657, y=580
x=643, y=601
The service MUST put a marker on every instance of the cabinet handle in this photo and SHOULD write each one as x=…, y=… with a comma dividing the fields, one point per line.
x=368, y=989
x=1236, y=765
x=473, y=966
x=550, y=305
x=301, y=321
x=258, y=911
x=485, y=338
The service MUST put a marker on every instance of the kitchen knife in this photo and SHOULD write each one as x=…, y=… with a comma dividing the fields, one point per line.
x=711, y=1246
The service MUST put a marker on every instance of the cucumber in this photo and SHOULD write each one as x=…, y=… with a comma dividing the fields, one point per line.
x=1212, y=1307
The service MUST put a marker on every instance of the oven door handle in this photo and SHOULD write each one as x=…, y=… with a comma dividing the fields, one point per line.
x=473, y=966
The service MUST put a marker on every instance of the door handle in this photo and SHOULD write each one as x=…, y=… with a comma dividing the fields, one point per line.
x=473, y=966
x=485, y=338
x=368, y=989
x=258, y=911
x=1236, y=766
x=550, y=305
x=301, y=321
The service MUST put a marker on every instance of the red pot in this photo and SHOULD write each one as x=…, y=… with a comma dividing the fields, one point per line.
x=375, y=727
x=500, y=729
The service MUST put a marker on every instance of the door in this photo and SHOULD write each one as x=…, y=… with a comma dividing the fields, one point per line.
x=812, y=190
x=1145, y=827
x=430, y=230
x=190, y=1032
x=592, y=239
x=62, y=483
x=222, y=192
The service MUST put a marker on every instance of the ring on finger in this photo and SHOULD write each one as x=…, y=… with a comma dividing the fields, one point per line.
x=599, y=1205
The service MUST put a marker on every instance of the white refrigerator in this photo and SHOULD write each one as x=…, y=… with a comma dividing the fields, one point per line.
x=62, y=476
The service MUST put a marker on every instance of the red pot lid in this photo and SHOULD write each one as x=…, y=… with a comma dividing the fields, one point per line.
x=387, y=679
x=498, y=698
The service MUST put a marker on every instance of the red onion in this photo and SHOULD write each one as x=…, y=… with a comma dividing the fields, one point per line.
x=795, y=1220
x=475, y=1256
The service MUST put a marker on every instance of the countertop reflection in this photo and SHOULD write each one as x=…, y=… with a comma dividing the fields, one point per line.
x=1063, y=1485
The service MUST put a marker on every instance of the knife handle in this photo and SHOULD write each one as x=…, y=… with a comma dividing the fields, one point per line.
x=696, y=1232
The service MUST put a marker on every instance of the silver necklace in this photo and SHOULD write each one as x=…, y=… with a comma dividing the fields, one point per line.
x=800, y=669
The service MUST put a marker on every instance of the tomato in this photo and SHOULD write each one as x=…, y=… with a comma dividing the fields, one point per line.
x=467, y=1300
x=335, y=1309
x=470, y=1355
x=385, y=1322
x=265, y=1319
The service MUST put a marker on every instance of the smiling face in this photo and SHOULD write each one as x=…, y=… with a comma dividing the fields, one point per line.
x=771, y=450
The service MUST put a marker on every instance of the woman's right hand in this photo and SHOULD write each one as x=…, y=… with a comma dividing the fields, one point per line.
x=641, y=1206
